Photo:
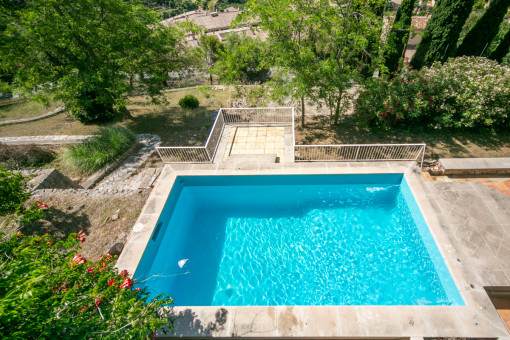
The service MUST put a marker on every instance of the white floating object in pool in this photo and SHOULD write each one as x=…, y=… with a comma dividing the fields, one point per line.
x=182, y=262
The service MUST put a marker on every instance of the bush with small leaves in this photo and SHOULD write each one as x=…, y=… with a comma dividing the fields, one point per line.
x=48, y=290
x=14, y=191
x=189, y=101
x=466, y=92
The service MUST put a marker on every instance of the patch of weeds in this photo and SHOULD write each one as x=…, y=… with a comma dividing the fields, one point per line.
x=95, y=152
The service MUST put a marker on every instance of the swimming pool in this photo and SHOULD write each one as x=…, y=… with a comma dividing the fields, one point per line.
x=295, y=240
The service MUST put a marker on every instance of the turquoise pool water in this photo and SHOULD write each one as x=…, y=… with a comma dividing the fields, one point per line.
x=295, y=240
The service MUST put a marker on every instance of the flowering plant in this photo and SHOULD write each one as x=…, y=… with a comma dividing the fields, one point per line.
x=465, y=92
x=405, y=100
x=49, y=290
x=474, y=92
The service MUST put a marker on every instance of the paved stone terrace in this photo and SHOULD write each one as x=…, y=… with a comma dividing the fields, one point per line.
x=469, y=221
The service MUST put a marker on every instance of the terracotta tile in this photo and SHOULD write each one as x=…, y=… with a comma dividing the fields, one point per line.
x=505, y=313
x=507, y=322
x=500, y=186
x=426, y=176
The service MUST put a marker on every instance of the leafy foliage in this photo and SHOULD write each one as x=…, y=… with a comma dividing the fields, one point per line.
x=399, y=35
x=241, y=60
x=439, y=39
x=95, y=152
x=85, y=51
x=211, y=47
x=189, y=101
x=485, y=29
x=47, y=290
x=464, y=92
x=318, y=49
x=14, y=191
x=502, y=49
x=405, y=100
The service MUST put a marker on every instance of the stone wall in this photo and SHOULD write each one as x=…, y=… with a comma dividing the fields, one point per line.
x=49, y=179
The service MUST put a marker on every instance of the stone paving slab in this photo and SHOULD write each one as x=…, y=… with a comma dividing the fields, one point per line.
x=466, y=165
x=469, y=222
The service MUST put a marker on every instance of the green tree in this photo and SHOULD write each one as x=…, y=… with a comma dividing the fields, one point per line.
x=241, y=60
x=399, y=35
x=84, y=52
x=211, y=48
x=502, y=49
x=319, y=50
x=481, y=34
x=439, y=39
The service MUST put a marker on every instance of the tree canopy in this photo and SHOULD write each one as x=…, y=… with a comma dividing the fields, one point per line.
x=318, y=48
x=481, y=34
x=439, y=39
x=88, y=53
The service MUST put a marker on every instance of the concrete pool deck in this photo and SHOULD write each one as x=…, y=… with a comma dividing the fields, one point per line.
x=470, y=223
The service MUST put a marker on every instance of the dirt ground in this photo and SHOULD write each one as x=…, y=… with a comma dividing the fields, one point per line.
x=440, y=143
x=70, y=213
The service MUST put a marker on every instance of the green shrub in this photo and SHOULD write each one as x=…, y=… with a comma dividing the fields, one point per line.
x=189, y=101
x=99, y=150
x=405, y=100
x=14, y=191
x=466, y=92
x=472, y=92
x=47, y=291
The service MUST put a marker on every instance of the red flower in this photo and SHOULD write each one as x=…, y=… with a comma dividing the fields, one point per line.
x=51, y=243
x=78, y=259
x=98, y=302
x=80, y=236
x=103, y=267
x=19, y=233
x=396, y=103
x=397, y=117
x=41, y=205
x=137, y=289
x=391, y=107
x=81, y=310
x=126, y=284
x=91, y=269
x=124, y=273
x=111, y=282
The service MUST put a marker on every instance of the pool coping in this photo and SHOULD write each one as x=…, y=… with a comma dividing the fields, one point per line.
x=478, y=318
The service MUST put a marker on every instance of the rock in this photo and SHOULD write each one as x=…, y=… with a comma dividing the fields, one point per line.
x=114, y=217
x=116, y=249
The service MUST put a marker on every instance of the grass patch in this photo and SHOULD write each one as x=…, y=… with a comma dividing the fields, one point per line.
x=11, y=109
x=21, y=157
x=95, y=152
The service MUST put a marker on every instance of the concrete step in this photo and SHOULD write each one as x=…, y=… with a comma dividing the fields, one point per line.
x=145, y=178
x=261, y=158
x=475, y=166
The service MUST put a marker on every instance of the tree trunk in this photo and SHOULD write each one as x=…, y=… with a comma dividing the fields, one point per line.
x=302, y=111
x=210, y=78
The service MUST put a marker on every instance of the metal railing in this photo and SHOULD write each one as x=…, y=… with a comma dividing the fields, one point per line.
x=302, y=153
x=215, y=135
x=359, y=152
x=259, y=115
x=183, y=154
x=235, y=116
